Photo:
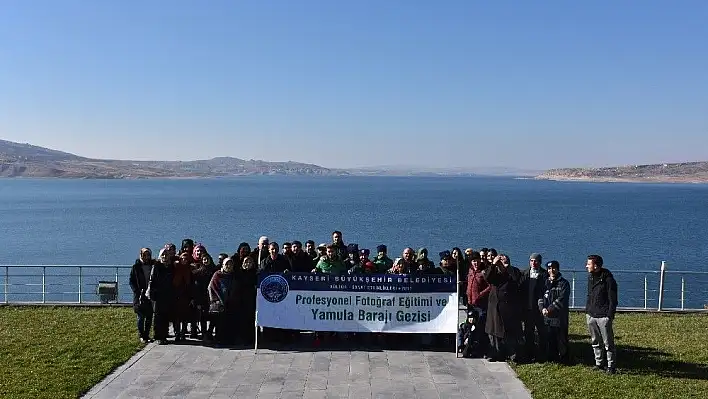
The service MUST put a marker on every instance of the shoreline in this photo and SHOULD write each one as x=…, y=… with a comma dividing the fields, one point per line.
x=586, y=179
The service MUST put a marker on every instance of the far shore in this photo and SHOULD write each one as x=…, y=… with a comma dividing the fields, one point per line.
x=658, y=179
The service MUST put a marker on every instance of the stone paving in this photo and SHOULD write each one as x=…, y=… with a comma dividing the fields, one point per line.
x=196, y=371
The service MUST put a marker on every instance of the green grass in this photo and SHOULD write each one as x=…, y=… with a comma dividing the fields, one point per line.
x=658, y=356
x=61, y=352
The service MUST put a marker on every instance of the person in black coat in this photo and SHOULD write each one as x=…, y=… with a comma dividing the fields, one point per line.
x=503, y=311
x=274, y=262
x=554, y=308
x=301, y=261
x=161, y=293
x=533, y=282
x=139, y=278
x=246, y=277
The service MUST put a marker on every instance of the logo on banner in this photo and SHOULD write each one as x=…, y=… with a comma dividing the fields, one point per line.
x=274, y=288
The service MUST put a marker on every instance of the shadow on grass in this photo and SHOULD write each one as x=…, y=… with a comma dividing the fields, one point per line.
x=636, y=360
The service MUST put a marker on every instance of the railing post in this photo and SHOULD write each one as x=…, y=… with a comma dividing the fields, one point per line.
x=7, y=282
x=117, y=287
x=683, y=291
x=44, y=284
x=81, y=281
x=646, y=292
x=572, y=292
x=661, y=285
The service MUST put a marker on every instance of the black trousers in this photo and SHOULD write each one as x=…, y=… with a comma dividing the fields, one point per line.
x=534, y=324
x=162, y=326
x=557, y=343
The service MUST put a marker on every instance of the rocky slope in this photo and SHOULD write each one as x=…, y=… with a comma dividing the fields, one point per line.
x=689, y=172
x=25, y=160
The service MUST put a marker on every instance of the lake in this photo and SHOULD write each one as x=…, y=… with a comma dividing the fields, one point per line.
x=633, y=226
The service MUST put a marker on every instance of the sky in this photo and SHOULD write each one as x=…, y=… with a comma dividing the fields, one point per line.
x=449, y=84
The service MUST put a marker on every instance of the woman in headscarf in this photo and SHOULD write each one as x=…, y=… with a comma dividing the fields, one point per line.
x=201, y=276
x=139, y=278
x=181, y=282
x=423, y=262
x=243, y=251
x=246, y=278
x=221, y=308
x=162, y=294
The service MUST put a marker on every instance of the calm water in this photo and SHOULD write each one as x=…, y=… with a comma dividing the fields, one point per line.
x=633, y=226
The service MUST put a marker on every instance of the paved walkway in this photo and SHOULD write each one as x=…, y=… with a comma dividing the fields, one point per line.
x=194, y=371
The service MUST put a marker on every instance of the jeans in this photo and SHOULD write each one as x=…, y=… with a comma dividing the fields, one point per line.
x=144, y=324
x=603, y=339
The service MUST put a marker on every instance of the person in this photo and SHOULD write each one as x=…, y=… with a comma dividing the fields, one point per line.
x=462, y=267
x=220, y=306
x=423, y=263
x=201, y=277
x=187, y=246
x=139, y=278
x=533, y=282
x=162, y=294
x=261, y=251
x=478, y=290
x=351, y=263
x=274, y=262
x=367, y=266
x=504, y=308
x=246, y=278
x=330, y=263
x=181, y=283
x=600, y=309
x=554, y=308
x=340, y=249
x=382, y=262
x=301, y=262
x=467, y=343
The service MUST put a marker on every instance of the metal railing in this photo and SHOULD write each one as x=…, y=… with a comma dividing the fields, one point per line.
x=20, y=283
x=660, y=289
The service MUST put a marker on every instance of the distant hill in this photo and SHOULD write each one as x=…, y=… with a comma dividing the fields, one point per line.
x=688, y=172
x=26, y=160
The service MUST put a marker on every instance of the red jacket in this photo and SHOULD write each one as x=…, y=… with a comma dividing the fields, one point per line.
x=477, y=289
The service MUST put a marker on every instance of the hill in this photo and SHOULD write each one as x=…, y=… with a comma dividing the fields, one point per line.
x=26, y=160
x=688, y=172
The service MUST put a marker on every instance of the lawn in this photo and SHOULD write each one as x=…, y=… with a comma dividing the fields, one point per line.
x=658, y=356
x=61, y=352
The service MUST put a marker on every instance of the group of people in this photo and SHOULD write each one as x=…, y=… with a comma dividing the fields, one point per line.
x=523, y=315
x=513, y=314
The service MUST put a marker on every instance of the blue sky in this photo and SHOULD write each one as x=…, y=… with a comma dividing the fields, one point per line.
x=344, y=84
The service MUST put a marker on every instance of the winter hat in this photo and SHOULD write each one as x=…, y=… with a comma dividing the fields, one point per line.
x=381, y=248
x=553, y=265
x=422, y=253
x=445, y=254
x=365, y=252
x=536, y=256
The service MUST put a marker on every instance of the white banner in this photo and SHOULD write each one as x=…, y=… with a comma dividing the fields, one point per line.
x=358, y=303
